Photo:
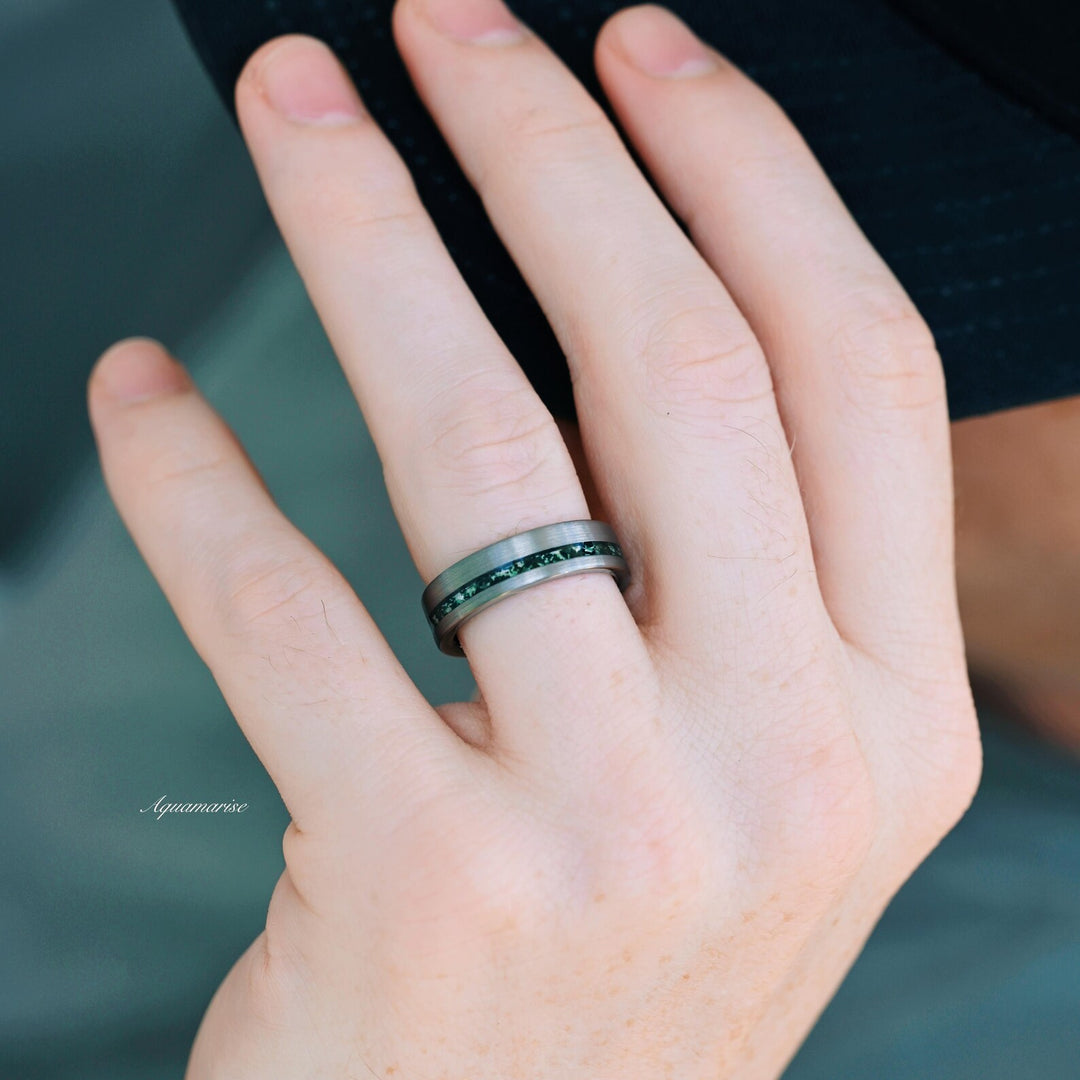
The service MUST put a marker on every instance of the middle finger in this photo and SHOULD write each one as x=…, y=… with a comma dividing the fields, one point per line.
x=674, y=395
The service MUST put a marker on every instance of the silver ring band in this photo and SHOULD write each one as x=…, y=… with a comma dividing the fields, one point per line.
x=518, y=562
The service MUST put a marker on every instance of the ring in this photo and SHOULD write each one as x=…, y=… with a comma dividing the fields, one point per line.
x=518, y=562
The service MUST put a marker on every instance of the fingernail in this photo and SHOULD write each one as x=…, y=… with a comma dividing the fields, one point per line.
x=138, y=369
x=303, y=80
x=481, y=22
x=659, y=43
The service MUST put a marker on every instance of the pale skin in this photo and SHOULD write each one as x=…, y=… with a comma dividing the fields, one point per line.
x=657, y=841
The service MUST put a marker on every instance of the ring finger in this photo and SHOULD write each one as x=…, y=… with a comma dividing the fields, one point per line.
x=470, y=453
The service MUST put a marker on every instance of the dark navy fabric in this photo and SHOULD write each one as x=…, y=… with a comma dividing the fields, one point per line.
x=970, y=195
x=1031, y=49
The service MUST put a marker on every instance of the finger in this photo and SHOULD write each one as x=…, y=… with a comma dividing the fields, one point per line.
x=860, y=386
x=470, y=453
x=311, y=681
x=673, y=394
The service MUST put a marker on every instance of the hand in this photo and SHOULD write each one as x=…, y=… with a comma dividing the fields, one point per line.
x=659, y=838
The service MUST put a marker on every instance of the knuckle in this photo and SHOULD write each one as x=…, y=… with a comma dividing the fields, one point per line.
x=277, y=977
x=961, y=779
x=811, y=805
x=271, y=985
x=665, y=854
x=379, y=196
x=295, y=844
x=544, y=137
x=886, y=355
x=188, y=480
x=829, y=815
x=174, y=477
x=331, y=208
x=767, y=160
x=538, y=123
x=653, y=861
x=943, y=769
x=499, y=440
x=447, y=892
x=664, y=861
x=259, y=588
x=696, y=367
x=311, y=869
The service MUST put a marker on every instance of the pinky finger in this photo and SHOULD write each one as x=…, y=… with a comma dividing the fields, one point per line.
x=311, y=680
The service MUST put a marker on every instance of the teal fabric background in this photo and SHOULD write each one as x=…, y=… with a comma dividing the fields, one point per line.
x=115, y=928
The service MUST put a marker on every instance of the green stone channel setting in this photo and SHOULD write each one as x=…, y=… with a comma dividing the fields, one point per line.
x=562, y=553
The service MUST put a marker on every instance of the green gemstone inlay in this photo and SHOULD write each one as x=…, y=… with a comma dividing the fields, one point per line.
x=520, y=566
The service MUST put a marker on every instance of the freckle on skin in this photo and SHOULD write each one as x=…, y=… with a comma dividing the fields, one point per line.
x=599, y=897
